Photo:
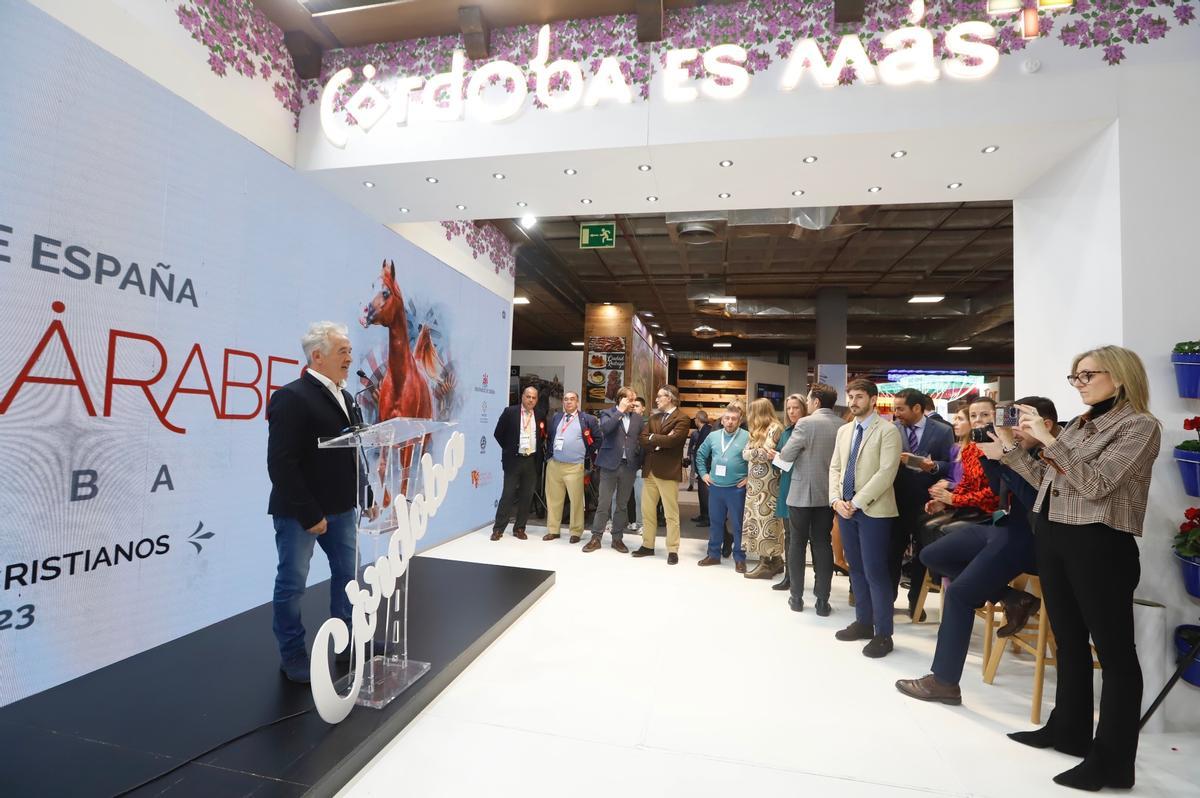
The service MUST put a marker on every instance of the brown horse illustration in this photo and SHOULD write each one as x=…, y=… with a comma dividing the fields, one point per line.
x=441, y=376
x=404, y=391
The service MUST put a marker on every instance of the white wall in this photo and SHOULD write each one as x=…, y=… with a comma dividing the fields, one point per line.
x=147, y=35
x=571, y=362
x=1105, y=252
x=762, y=371
x=431, y=237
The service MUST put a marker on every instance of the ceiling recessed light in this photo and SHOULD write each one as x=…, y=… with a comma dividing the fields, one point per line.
x=899, y=154
x=647, y=314
x=810, y=159
x=722, y=300
x=577, y=343
x=645, y=167
x=520, y=300
x=875, y=189
x=368, y=184
x=722, y=346
x=724, y=195
x=431, y=180
x=958, y=349
x=652, y=198
x=798, y=192
x=925, y=299
x=404, y=210
x=954, y=185
x=461, y=207
x=725, y=163
x=989, y=149
x=528, y=220
x=854, y=346
x=585, y=201
x=521, y=204
x=569, y=172
x=656, y=325
x=498, y=175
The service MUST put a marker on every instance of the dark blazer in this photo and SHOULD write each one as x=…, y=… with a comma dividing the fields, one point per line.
x=912, y=487
x=696, y=438
x=308, y=483
x=508, y=433
x=614, y=440
x=587, y=420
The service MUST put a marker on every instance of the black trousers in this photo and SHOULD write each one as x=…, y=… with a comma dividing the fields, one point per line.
x=907, y=529
x=810, y=526
x=702, y=490
x=520, y=478
x=1088, y=577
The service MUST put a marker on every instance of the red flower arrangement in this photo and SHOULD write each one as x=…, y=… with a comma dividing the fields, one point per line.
x=1191, y=425
x=1187, y=542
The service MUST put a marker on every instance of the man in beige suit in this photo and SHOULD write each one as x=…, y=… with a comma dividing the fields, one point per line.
x=865, y=461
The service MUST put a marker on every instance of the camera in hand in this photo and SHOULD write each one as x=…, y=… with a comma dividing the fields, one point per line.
x=980, y=434
x=1008, y=416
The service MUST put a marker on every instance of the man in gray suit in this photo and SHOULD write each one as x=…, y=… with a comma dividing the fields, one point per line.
x=617, y=460
x=809, y=449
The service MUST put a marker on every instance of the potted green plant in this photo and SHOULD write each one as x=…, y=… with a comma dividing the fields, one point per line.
x=1187, y=550
x=1186, y=359
x=1187, y=455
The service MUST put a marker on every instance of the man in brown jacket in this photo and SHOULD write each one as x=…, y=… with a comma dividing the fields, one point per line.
x=662, y=441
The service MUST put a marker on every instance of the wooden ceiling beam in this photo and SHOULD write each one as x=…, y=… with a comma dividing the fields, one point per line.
x=474, y=31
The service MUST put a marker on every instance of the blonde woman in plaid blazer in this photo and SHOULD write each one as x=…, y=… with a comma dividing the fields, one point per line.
x=1092, y=485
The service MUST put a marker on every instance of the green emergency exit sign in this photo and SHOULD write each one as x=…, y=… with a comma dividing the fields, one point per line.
x=598, y=235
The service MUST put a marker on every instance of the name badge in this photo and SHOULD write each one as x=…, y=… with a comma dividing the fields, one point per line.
x=719, y=470
x=558, y=444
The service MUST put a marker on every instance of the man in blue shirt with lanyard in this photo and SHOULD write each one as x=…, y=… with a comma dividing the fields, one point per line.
x=571, y=437
x=720, y=464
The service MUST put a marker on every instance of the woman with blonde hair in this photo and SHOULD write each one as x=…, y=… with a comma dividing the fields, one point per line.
x=1093, y=481
x=762, y=529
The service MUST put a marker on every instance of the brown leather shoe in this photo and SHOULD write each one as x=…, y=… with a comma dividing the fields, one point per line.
x=620, y=546
x=519, y=534
x=856, y=631
x=928, y=688
x=740, y=566
x=642, y=551
x=574, y=539
x=594, y=543
x=1017, y=610
x=707, y=561
x=497, y=534
x=672, y=558
x=768, y=568
x=549, y=536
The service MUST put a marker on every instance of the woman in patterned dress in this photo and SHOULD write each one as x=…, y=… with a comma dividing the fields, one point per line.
x=762, y=529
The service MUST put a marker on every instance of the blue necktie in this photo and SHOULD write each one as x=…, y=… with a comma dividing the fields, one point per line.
x=848, y=479
x=912, y=440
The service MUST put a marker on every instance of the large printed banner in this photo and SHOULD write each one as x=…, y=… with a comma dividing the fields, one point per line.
x=156, y=274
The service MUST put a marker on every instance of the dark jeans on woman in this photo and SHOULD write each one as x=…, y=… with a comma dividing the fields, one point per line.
x=1088, y=575
x=810, y=526
x=980, y=560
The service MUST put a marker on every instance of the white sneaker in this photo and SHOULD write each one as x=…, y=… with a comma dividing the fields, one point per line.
x=608, y=527
x=633, y=527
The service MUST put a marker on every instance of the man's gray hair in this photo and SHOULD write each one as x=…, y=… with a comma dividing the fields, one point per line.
x=319, y=336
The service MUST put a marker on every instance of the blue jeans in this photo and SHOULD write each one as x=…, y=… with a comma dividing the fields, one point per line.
x=295, y=547
x=865, y=541
x=723, y=502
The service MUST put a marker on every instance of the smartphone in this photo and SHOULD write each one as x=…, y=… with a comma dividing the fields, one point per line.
x=980, y=434
x=1008, y=416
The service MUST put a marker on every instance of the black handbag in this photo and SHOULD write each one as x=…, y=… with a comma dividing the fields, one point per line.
x=936, y=525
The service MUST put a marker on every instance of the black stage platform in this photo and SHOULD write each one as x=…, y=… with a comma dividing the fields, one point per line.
x=114, y=729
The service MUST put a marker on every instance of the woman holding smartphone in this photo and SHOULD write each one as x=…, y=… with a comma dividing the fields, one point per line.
x=972, y=489
x=1092, y=483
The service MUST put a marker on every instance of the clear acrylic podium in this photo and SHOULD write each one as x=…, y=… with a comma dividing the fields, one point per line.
x=389, y=457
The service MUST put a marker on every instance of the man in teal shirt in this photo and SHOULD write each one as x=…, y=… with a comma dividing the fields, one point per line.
x=720, y=464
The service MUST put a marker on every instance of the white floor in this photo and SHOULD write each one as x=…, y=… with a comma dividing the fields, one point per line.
x=630, y=677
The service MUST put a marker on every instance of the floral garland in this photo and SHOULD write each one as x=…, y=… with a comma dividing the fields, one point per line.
x=768, y=30
x=487, y=240
x=240, y=37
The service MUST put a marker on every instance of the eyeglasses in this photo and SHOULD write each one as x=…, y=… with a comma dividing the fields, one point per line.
x=1083, y=377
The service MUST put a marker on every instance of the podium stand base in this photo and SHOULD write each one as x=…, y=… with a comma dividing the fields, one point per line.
x=384, y=680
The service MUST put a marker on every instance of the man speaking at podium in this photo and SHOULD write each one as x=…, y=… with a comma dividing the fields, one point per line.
x=312, y=490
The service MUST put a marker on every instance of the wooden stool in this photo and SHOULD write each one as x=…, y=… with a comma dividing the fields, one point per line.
x=990, y=624
x=927, y=585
